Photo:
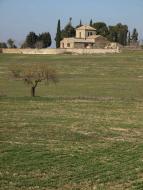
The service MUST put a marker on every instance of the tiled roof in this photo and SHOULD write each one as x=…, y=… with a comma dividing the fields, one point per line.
x=94, y=36
x=86, y=27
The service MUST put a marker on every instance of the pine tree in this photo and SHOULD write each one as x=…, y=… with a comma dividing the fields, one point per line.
x=44, y=39
x=58, y=35
x=101, y=28
x=31, y=40
x=68, y=31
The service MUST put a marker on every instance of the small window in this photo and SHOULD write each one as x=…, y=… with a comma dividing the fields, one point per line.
x=68, y=44
x=90, y=33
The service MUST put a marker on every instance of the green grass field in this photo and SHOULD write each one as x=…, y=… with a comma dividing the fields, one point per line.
x=86, y=132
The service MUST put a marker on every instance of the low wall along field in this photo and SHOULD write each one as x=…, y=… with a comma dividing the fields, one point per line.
x=60, y=51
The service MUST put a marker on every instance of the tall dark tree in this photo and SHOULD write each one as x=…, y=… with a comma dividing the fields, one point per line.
x=118, y=33
x=122, y=33
x=113, y=36
x=3, y=45
x=80, y=24
x=91, y=22
x=31, y=40
x=101, y=28
x=35, y=41
x=45, y=38
x=58, y=37
x=134, y=36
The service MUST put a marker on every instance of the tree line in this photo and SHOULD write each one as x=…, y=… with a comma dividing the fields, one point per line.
x=33, y=40
x=10, y=44
x=117, y=33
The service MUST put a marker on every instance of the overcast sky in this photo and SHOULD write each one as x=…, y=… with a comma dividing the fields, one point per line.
x=19, y=17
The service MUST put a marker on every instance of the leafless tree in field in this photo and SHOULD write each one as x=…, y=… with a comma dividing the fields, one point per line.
x=34, y=75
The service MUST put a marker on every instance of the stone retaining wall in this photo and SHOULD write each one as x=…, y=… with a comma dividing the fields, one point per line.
x=60, y=51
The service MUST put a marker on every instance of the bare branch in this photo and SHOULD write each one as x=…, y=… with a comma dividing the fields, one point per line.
x=35, y=74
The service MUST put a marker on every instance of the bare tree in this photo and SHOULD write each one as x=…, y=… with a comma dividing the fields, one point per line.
x=34, y=75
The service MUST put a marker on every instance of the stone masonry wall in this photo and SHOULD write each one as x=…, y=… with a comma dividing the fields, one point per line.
x=60, y=51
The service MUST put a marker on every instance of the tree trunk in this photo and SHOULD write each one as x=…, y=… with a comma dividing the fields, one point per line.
x=33, y=91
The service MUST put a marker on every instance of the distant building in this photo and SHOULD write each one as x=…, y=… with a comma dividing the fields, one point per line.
x=85, y=38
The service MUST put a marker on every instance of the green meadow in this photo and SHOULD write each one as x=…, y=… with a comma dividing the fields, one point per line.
x=84, y=133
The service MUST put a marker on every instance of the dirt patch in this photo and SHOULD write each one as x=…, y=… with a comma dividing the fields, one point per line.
x=120, y=129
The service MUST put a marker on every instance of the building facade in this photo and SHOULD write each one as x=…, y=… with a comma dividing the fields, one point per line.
x=85, y=38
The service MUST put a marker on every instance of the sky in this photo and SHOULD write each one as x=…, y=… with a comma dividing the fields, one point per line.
x=19, y=17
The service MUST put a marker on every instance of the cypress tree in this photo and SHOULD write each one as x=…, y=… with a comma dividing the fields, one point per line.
x=80, y=24
x=91, y=22
x=58, y=35
x=135, y=36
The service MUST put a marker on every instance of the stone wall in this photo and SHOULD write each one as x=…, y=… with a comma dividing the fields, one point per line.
x=92, y=51
x=60, y=51
x=34, y=51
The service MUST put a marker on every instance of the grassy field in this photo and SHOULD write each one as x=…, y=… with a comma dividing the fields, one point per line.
x=84, y=133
